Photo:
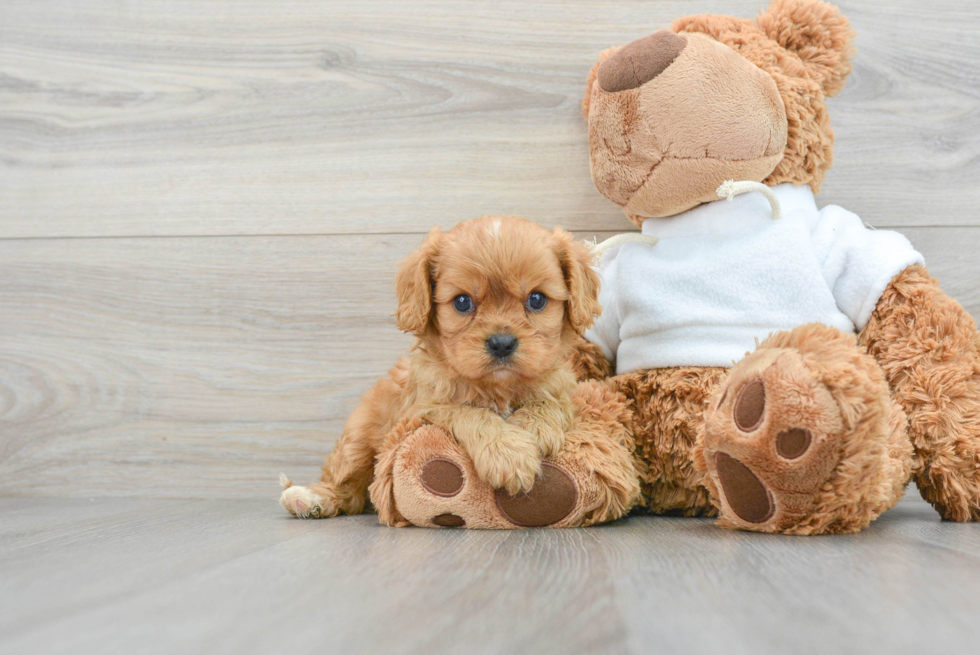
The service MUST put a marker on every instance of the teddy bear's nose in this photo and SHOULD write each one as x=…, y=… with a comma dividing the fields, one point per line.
x=638, y=62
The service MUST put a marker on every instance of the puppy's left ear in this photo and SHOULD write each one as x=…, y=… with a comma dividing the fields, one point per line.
x=582, y=306
x=413, y=286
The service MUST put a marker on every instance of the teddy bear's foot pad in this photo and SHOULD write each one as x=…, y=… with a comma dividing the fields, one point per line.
x=552, y=498
x=435, y=485
x=771, y=441
x=743, y=489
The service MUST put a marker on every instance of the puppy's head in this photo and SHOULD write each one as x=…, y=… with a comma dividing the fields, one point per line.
x=498, y=299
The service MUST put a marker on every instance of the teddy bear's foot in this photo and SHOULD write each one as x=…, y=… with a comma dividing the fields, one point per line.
x=435, y=485
x=805, y=442
x=771, y=442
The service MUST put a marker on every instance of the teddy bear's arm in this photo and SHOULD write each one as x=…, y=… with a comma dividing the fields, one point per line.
x=929, y=348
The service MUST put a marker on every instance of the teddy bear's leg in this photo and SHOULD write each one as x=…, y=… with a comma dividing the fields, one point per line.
x=929, y=348
x=803, y=437
x=424, y=478
x=668, y=415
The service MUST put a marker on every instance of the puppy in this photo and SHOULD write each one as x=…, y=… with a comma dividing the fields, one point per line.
x=497, y=305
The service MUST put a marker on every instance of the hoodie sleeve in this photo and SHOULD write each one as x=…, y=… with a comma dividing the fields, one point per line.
x=858, y=262
x=605, y=331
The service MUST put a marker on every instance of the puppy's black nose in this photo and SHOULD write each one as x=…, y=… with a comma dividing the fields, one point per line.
x=501, y=345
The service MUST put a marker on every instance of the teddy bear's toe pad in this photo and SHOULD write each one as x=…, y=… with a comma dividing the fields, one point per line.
x=442, y=477
x=746, y=494
x=552, y=498
x=449, y=521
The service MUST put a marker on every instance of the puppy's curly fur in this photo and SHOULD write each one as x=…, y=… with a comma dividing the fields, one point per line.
x=507, y=410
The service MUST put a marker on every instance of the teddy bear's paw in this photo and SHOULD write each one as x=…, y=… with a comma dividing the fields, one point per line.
x=773, y=436
x=304, y=503
x=552, y=498
x=435, y=484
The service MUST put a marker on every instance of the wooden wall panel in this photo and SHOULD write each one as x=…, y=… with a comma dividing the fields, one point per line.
x=164, y=117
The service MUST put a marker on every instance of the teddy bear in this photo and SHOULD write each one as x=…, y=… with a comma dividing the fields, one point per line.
x=789, y=369
x=784, y=367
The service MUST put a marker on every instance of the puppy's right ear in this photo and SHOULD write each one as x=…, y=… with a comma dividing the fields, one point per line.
x=413, y=285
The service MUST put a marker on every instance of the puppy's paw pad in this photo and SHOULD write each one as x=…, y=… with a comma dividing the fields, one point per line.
x=301, y=502
x=552, y=498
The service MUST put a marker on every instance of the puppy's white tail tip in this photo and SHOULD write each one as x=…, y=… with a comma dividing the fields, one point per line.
x=285, y=481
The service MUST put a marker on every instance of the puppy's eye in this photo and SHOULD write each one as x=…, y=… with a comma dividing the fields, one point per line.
x=536, y=301
x=463, y=304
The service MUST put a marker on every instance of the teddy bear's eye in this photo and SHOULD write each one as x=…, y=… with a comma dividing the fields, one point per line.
x=536, y=301
x=463, y=303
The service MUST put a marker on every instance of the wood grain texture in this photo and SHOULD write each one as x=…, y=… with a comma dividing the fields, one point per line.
x=159, y=576
x=205, y=117
x=202, y=367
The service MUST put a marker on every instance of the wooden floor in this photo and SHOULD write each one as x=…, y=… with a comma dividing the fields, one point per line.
x=240, y=576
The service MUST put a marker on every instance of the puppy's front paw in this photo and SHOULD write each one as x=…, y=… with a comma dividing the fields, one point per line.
x=547, y=428
x=551, y=442
x=511, y=462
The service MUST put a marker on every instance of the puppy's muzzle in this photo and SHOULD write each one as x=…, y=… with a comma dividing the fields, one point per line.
x=501, y=345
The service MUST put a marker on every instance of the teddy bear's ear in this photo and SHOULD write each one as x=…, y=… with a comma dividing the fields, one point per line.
x=817, y=33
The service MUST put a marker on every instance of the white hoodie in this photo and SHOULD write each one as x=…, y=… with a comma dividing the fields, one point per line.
x=725, y=274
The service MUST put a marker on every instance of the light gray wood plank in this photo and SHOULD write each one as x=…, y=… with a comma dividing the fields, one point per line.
x=202, y=367
x=242, y=577
x=300, y=117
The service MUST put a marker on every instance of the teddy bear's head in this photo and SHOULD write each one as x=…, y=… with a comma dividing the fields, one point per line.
x=674, y=114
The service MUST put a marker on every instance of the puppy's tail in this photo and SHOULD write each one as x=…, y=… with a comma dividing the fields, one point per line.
x=284, y=481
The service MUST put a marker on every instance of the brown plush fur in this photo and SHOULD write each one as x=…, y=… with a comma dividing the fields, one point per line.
x=507, y=414
x=929, y=349
x=668, y=415
x=598, y=456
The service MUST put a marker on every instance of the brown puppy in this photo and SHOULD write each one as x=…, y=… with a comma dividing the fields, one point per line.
x=497, y=304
